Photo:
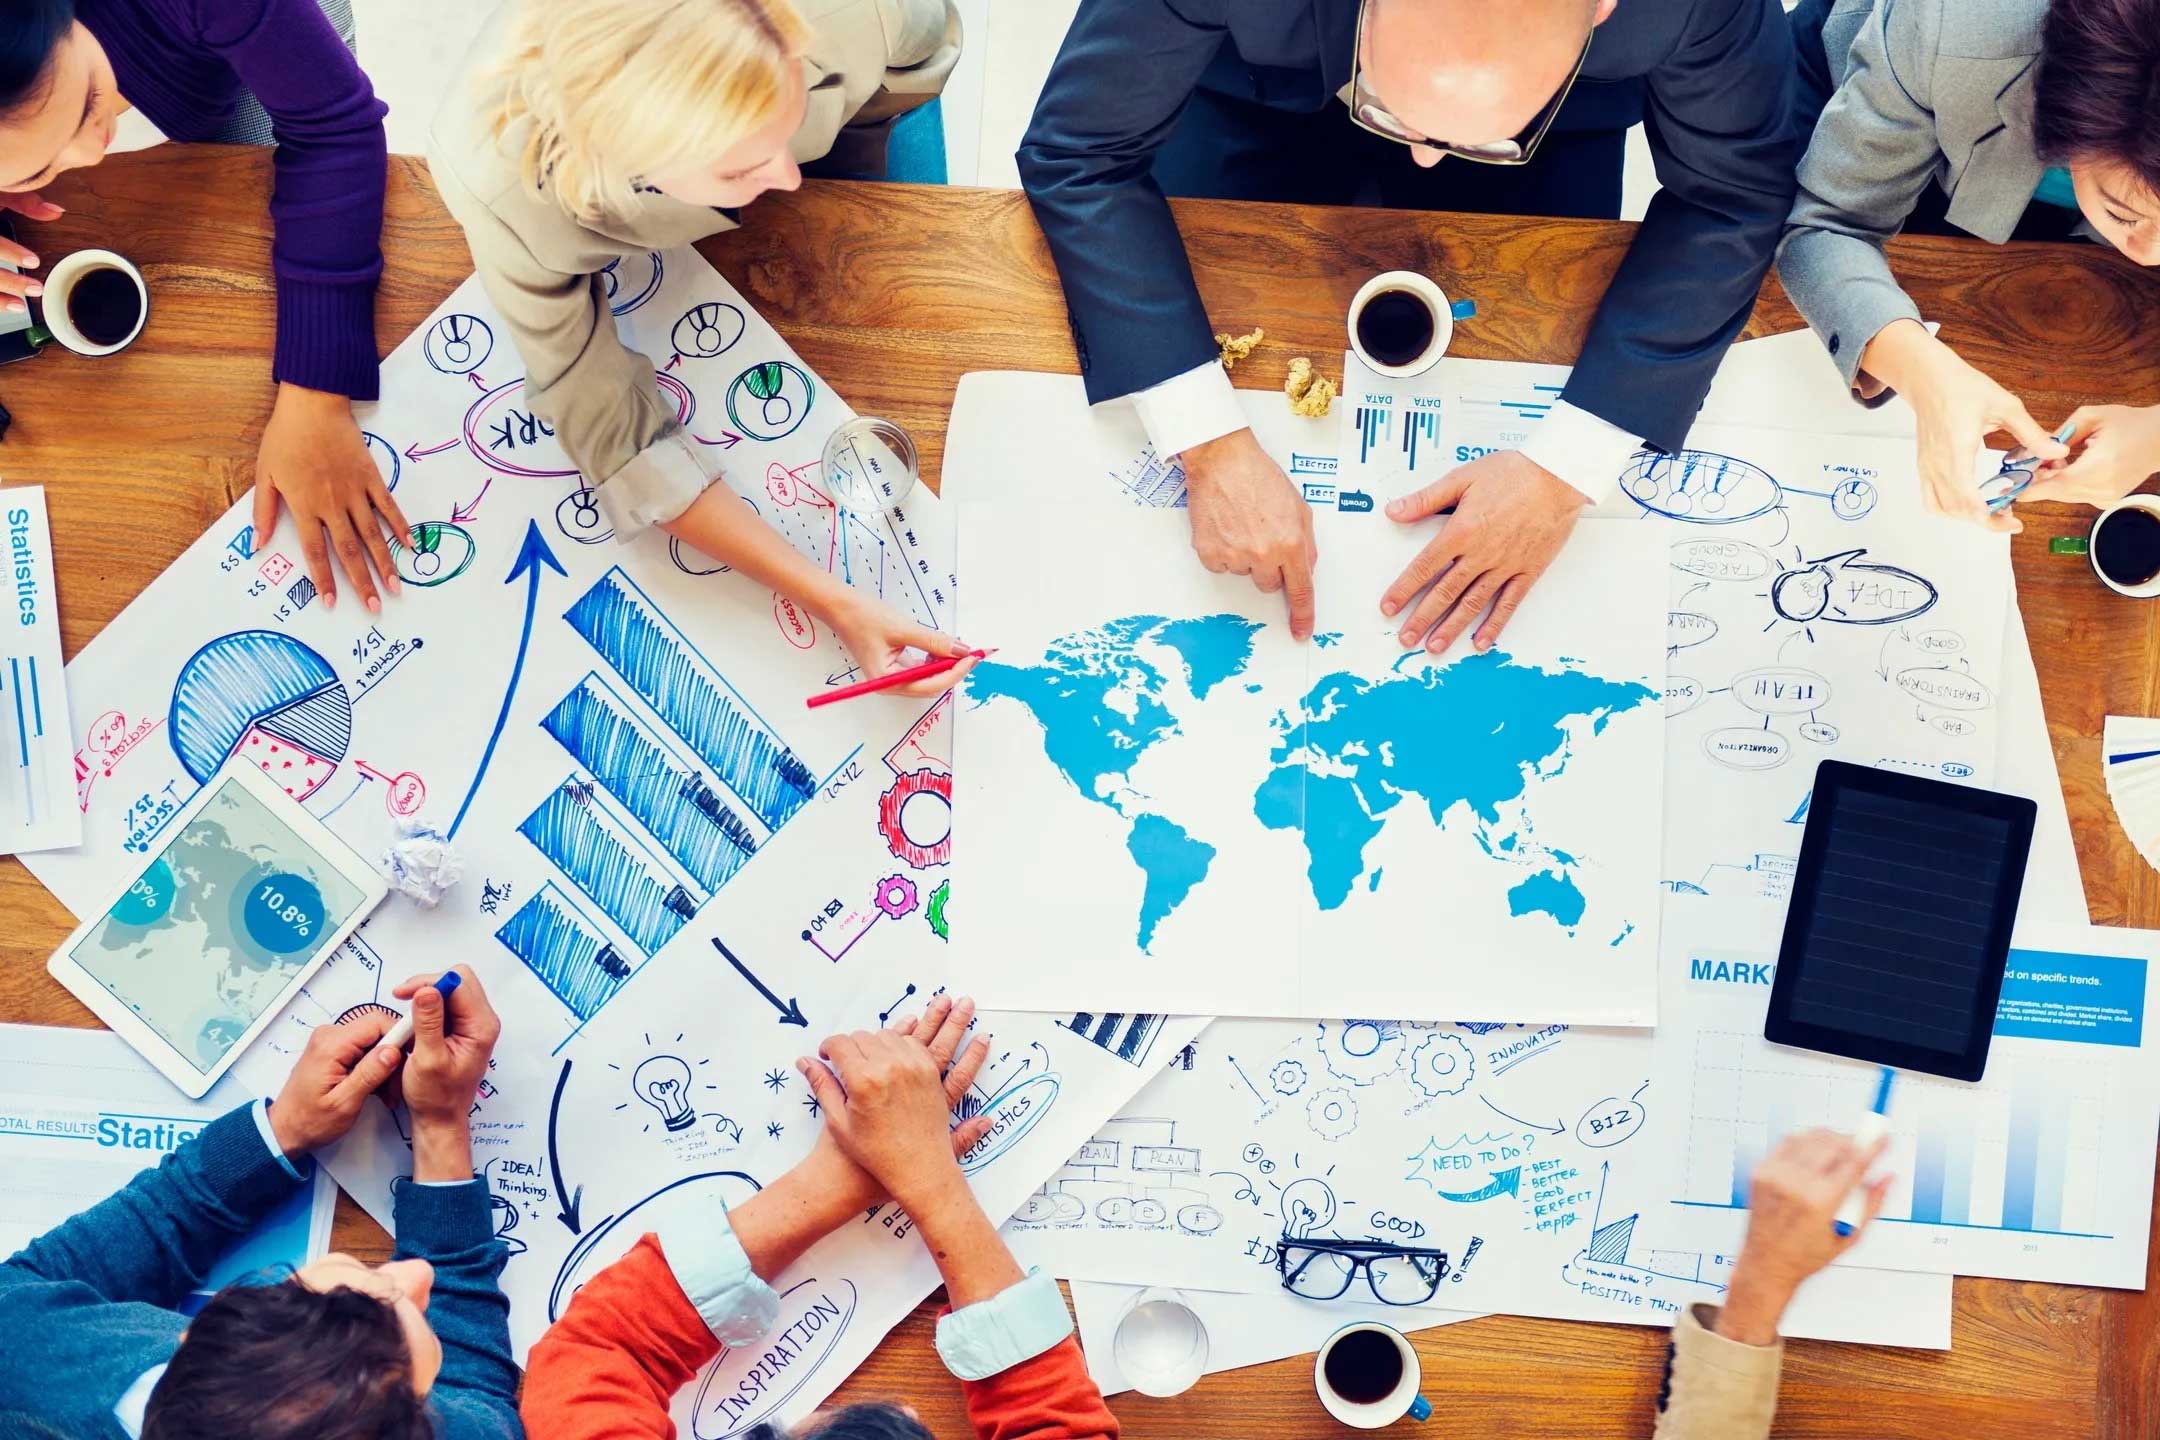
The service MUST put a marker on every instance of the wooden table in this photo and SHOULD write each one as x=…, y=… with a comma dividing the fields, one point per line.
x=892, y=293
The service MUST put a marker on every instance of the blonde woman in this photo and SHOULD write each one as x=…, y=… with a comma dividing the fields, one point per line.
x=594, y=130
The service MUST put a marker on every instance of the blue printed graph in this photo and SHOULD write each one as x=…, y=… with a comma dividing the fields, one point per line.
x=268, y=697
x=664, y=670
x=1421, y=430
x=1373, y=422
x=664, y=795
x=563, y=953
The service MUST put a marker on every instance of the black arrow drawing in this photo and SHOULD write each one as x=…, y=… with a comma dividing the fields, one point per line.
x=790, y=1012
x=1554, y=1129
x=569, y=1198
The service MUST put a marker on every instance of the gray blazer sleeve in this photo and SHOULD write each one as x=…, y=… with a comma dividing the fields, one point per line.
x=1874, y=151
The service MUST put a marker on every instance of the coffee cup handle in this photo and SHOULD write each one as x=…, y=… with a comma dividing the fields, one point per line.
x=1462, y=309
x=1420, y=1408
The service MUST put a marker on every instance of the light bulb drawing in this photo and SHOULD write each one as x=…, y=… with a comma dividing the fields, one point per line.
x=663, y=1082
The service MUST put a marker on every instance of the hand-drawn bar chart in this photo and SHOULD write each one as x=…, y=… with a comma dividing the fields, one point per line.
x=677, y=782
x=1128, y=1037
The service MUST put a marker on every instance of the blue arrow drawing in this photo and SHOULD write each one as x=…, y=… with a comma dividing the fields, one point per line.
x=531, y=556
x=1504, y=1182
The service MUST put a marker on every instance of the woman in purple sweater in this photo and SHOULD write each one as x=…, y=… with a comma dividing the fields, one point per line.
x=70, y=68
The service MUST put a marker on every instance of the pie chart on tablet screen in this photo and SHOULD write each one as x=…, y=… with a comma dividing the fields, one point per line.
x=267, y=697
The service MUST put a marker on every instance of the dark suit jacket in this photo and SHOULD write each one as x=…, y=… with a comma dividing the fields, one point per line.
x=1714, y=78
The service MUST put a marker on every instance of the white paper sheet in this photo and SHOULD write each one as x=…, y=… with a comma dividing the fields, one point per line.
x=1538, y=1157
x=81, y=1114
x=616, y=737
x=38, y=809
x=1242, y=1329
x=2041, y=1171
x=1168, y=797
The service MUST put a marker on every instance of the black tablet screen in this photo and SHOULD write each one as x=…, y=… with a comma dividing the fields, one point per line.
x=1900, y=920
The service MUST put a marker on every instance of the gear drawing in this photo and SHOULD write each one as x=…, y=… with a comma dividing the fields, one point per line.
x=1332, y=1114
x=1287, y=1076
x=939, y=898
x=896, y=896
x=893, y=808
x=1361, y=1051
x=1442, y=1065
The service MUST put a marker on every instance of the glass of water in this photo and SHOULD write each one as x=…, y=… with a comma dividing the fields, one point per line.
x=1160, y=1346
x=870, y=464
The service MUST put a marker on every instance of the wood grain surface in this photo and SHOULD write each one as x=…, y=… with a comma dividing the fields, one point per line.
x=892, y=293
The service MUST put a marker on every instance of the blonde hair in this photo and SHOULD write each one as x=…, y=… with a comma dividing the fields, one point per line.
x=609, y=92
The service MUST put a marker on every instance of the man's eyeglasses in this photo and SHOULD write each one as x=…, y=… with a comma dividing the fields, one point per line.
x=1324, y=1269
x=1369, y=114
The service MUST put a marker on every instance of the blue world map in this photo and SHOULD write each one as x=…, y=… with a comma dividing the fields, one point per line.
x=1352, y=755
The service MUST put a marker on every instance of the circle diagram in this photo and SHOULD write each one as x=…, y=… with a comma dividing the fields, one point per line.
x=710, y=329
x=631, y=281
x=770, y=401
x=458, y=344
x=510, y=440
x=385, y=456
x=436, y=553
x=578, y=516
x=268, y=697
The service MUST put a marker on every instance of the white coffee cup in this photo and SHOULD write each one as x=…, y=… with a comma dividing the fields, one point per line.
x=1160, y=1345
x=1402, y=1400
x=2150, y=504
x=1444, y=315
x=60, y=283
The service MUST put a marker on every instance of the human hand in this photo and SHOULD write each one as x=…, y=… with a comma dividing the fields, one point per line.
x=893, y=1098
x=16, y=290
x=2116, y=448
x=880, y=637
x=338, y=1069
x=452, y=1039
x=1248, y=519
x=1956, y=407
x=1511, y=518
x=314, y=456
x=1793, y=1202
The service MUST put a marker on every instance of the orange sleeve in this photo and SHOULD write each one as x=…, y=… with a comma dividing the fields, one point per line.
x=1050, y=1397
x=609, y=1367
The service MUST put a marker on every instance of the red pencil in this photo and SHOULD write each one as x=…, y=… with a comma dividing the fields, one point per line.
x=898, y=677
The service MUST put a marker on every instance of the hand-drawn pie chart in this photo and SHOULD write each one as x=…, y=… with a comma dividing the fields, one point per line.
x=266, y=696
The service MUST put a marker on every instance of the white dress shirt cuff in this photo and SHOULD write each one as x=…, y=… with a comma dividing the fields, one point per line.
x=710, y=1265
x=1013, y=1326
x=1190, y=409
x=655, y=486
x=270, y=1142
x=1585, y=451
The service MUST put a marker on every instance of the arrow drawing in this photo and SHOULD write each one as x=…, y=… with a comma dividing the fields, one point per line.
x=1553, y=1129
x=462, y=513
x=477, y=382
x=1504, y=1182
x=415, y=453
x=790, y=1012
x=569, y=1198
x=531, y=557
x=728, y=440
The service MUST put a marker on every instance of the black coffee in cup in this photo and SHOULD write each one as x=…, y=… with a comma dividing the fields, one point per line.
x=2126, y=546
x=1396, y=327
x=1363, y=1367
x=105, y=305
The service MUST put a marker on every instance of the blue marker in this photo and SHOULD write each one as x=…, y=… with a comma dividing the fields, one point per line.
x=1872, y=1127
x=400, y=1034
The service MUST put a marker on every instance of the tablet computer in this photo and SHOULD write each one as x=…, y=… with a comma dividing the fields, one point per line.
x=1899, y=924
x=242, y=898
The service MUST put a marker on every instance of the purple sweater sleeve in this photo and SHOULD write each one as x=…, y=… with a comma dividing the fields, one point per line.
x=326, y=203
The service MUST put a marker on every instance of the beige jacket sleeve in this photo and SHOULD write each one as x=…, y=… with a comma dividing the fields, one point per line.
x=598, y=394
x=1715, y=1388
x=872, y=62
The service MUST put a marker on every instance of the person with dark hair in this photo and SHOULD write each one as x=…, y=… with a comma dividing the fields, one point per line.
x=416, y=1349
x=2004, y=119
x=72, y=72
x=638, y=1330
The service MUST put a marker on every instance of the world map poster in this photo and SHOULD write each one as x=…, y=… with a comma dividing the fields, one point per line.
x=1168, y=798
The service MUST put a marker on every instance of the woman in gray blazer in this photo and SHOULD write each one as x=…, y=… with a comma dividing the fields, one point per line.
x=1979, y=111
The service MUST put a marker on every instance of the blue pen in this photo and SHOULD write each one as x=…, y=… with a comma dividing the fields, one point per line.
x=2024, y=467
x=400, y=1034
x=1872, y=1127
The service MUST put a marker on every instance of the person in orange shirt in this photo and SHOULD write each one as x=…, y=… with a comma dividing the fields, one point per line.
x=641, y=1328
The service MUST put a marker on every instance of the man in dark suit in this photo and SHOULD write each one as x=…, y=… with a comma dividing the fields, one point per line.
x=1238, y=99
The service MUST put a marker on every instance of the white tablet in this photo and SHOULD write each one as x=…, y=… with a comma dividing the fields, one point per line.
x=244, y=899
